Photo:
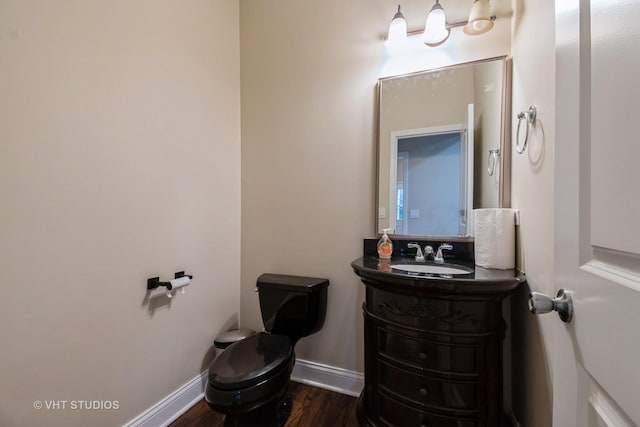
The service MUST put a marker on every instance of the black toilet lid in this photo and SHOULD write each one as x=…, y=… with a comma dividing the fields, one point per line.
x=249, y=361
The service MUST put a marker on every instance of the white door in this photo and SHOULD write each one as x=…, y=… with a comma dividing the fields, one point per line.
x=596, y=357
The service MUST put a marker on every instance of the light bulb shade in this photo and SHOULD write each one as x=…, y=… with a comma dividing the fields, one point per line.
x=479, y=18
x=397, y=30
x=435, y=29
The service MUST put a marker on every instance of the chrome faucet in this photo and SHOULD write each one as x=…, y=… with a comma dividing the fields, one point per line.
x=439, y=257
x=419, y=255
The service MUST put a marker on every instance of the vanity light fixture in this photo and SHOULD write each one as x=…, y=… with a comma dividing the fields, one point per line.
x=397, y=30
x=437, y=30
x=480, y=19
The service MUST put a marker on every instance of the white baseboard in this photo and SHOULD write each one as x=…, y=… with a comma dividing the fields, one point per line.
x=177, y=403
x=328, y=377
x=171, y=407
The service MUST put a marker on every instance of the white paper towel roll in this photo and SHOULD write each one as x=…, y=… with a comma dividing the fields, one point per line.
x=495, y=238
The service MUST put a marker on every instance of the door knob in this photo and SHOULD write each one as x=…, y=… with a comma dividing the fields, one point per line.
x=562, y=303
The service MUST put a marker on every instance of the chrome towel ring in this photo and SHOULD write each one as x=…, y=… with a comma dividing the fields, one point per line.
x=530, y=117
x=493, y=160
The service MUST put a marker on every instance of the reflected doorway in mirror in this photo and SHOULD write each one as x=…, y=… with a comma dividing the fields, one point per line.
x=431, y=180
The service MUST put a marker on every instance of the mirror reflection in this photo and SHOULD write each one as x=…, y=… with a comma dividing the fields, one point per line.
x=441, y=148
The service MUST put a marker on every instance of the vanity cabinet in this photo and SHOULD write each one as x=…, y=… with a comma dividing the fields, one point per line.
x=433, y=348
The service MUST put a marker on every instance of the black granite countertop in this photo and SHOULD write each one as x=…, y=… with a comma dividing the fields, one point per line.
x=480, y=281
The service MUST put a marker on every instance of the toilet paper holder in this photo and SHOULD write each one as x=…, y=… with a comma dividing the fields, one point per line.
x=154, y=282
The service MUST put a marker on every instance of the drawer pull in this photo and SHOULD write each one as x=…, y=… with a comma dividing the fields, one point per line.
x=424, y=391
x=423, y=355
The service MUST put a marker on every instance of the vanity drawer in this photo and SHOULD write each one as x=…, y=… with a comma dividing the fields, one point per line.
x=394, y=413
x=427, y=355
x=437, y=315
x=434, y=393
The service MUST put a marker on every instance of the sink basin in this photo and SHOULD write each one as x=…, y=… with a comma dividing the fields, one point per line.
x=433, y=268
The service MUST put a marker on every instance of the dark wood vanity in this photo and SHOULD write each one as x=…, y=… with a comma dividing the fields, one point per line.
x=433, y=346
x=434, y=342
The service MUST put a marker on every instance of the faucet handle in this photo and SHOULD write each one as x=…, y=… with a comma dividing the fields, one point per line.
x=439, y=258
x=419, y=255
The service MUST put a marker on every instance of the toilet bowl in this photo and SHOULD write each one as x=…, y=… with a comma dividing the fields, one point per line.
x=248, y=381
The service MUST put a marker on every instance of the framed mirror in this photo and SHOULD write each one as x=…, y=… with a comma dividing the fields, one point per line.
x=442, y=148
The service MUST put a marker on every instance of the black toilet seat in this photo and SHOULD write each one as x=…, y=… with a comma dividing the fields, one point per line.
x=250, y=361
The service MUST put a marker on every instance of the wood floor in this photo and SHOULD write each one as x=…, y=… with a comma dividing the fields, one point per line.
x=312, y=406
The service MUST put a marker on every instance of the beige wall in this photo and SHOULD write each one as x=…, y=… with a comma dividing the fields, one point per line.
x=119, y=161
x=532, y=194
x=309, y=73
x=308, y=156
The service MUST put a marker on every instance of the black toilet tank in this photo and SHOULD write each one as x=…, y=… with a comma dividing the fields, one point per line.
x=294, y=306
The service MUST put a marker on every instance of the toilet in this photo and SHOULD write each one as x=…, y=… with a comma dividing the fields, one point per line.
x=248, y=381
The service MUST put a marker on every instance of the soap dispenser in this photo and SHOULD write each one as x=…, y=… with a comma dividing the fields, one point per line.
x=385, y=246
